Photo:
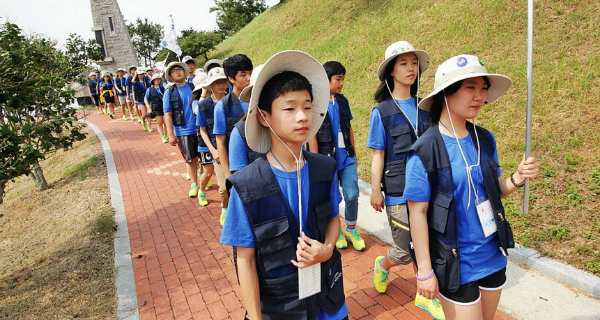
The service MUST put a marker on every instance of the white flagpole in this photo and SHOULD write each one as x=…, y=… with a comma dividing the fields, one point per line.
x=529, y=97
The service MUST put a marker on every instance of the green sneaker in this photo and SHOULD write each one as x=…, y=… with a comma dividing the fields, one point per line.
x=341, y=242
x=150, y=129
x=223, y=215
x=432, y=306
x=165, y=139
x=380, y=277
x=131, y=117
x=354, y=236
x=202, y=199
x=124, y=117
x=193, y=190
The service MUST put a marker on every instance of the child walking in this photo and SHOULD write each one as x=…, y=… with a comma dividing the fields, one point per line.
x=154, y=104
x=283, y=209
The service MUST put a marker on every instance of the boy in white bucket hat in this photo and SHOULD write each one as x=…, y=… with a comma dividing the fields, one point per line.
x=283, y=207
x=216, y=83
x=454, y=190
x=192, y=64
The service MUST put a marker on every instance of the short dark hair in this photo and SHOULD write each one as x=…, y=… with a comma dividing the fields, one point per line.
x=333, y=68
x=438, y=100
x=281, y=84
x=238, y=62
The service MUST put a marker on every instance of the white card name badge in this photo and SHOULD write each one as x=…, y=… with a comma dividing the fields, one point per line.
x=309, y=281
x=341, y=143
x=486, y=216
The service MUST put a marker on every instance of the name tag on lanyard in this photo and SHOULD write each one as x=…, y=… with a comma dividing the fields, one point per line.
x=486, y=216
x=340, y=140
x=309, y=281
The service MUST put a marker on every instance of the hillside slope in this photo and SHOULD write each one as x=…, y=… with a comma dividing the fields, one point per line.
x=564, y=219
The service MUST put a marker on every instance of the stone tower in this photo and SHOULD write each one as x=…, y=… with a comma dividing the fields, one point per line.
x=112, y=35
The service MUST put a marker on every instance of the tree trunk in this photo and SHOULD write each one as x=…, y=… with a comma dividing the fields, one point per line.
x=2, y=185
x=38, y=177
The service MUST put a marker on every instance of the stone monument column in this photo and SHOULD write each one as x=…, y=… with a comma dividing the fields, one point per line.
x=112, y=35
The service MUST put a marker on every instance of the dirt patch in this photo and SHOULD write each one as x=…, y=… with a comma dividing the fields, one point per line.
x=56, y=246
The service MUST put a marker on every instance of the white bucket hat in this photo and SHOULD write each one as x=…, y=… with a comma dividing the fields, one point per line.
x=188, y=58
x=401, y=47
x=121, y=69
x=257, y=135
x=139, y=71
x=156, y=75
x=463, y=67
x=213, y=61
x=173, y=64
x=213, y=75
x=198, y=79
x=93, y=73
x=247, y=91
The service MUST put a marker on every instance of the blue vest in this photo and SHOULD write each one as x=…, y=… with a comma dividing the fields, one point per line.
x=233, y=113
x=400, y=136
x=93, y=85
x=156, y=98
x=441, y=213
x=251, y=154
x=326, y=136
x=276, y=230
x=139, y=89
x=120, y=83
x=206, y=107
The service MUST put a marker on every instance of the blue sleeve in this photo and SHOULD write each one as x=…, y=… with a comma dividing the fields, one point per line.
x=200, y=121
x=376, y=138
x=417, y=184
x=334, y=196
x=238, y=154
x=128, y=81
x=147, y=95
x=220, y=126
x=167, y=101
x=236, y=229
x=496, y=155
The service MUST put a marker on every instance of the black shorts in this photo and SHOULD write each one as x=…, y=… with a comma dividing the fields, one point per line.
x=96, y=99
x=469, y=294
x=109, y=99
x=188, y=146
x=205, y=157
x=158, y=110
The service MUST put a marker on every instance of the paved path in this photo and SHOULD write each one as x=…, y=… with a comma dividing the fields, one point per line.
x=181, y=270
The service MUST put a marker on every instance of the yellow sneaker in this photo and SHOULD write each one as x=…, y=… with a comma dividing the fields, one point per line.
x=223, y=215
x=193, y=190
x=202, y=199
x=209, y=184
x=341, y=242
x=432, y=306
x=354, y=236
x=124, y=117
x=150, y=129
x=380, y=277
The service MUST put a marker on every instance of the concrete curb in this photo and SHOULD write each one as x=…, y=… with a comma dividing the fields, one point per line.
x=127, y=304
x=576, y=278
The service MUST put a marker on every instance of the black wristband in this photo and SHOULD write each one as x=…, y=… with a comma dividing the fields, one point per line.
x=512, y=179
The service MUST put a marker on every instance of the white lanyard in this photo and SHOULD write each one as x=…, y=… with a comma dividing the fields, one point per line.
x=468, y=168
x=404, y=113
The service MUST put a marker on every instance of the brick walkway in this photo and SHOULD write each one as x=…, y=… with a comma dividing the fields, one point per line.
x=182, y=271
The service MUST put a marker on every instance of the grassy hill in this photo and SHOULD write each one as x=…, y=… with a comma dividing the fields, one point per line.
x=564, y=219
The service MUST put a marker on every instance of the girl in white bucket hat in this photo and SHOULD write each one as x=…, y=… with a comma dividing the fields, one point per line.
x=395, y=124
x=454, y=187
x=282, y=214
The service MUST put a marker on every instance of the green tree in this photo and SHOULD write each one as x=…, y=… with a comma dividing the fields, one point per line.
x=199, y=43
x=36, y=117
x=82, y=53
x=146, y=37
x=233, y=15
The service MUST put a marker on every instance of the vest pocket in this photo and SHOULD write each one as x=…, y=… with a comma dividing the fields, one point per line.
x=331, y=298
x=274, y=242
x=445, y=264
x=393, y=178
x=401, y=139
x=440, y=210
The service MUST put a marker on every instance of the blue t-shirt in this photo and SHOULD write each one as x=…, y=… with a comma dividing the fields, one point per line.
x=185, y=95
x=237, y=231
x=377, y=137
x=238, y=154
x=341, y=157
x=200, y=122
x=106, y=85
x=128, y=85
x=120, y=83
x=479, y=256
x=220, y=118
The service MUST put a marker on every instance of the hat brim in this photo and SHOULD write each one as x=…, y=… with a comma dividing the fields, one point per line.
x=208, y=81
x=421, y=55
x=499, y=84
x=257, y=135
x=211, y=61
x=170, y=66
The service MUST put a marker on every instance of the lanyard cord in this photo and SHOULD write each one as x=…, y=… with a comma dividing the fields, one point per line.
x=297, y=160
x=414, y=126
x=468, y=168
